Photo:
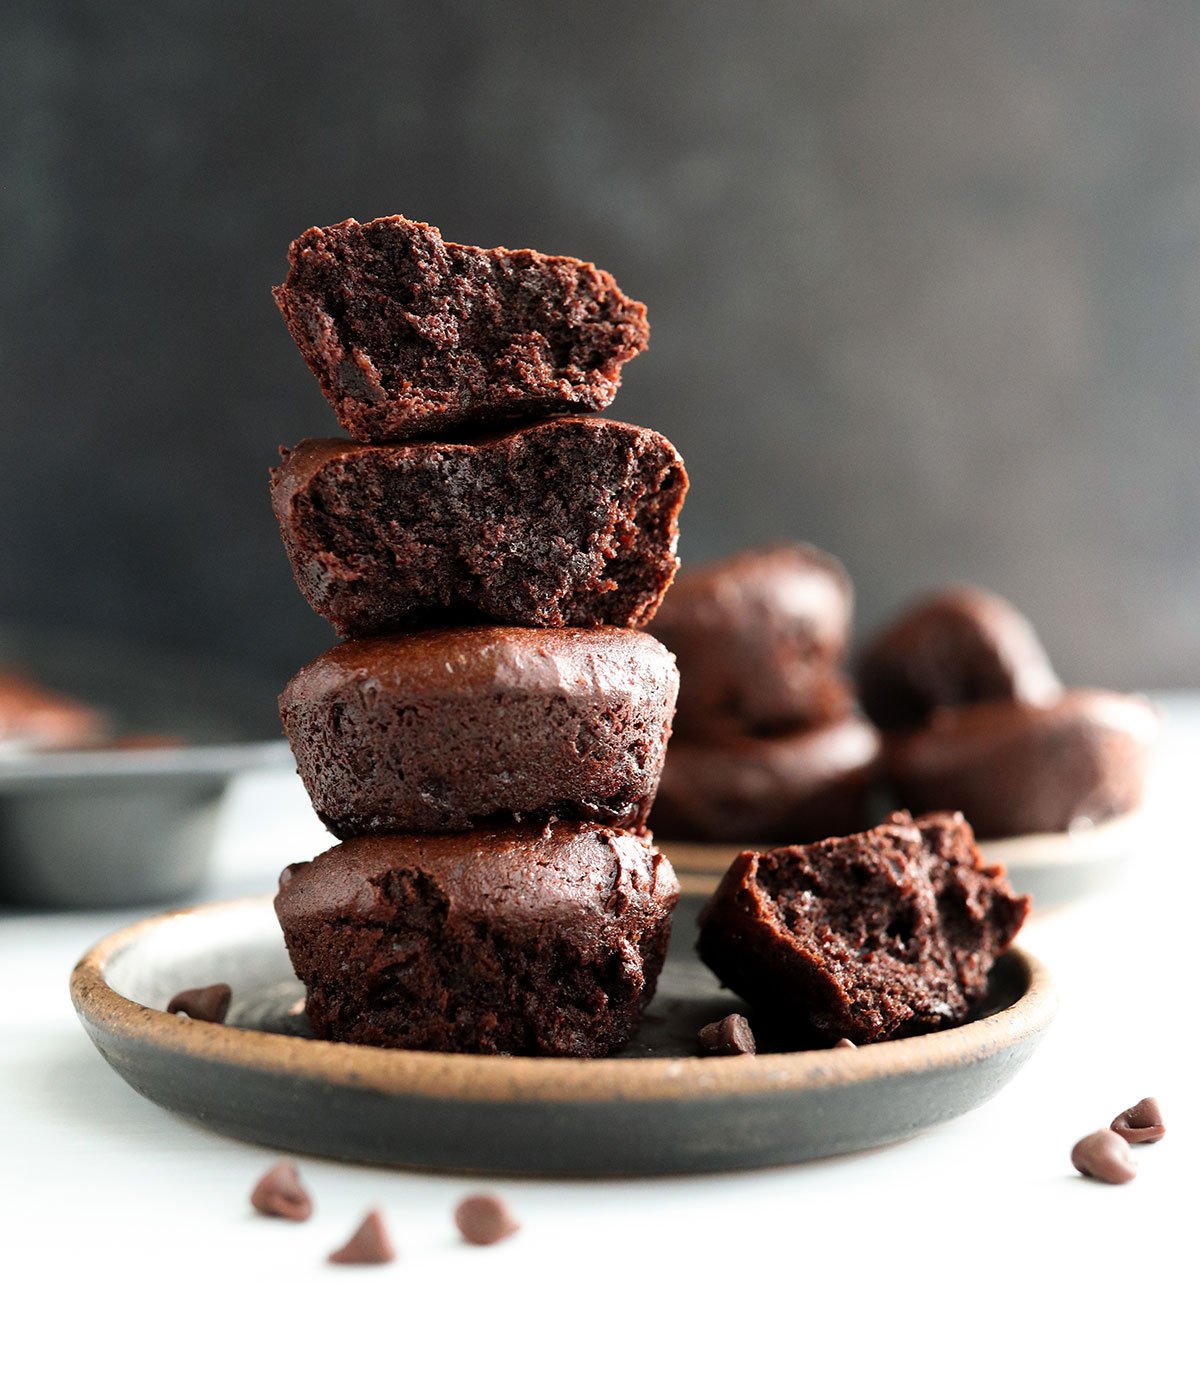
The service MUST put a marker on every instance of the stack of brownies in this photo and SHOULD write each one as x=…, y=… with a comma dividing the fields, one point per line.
x=768, y=746
x=487, y=740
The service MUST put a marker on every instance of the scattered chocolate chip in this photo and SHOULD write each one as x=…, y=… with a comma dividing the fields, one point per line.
x=208, y=1004
x=280, y=1193
x=370, y=1245
x=845, y=1042
x=731, y=1037
x=1141, y=1123
x=484, y=1219
x=1104, y=1156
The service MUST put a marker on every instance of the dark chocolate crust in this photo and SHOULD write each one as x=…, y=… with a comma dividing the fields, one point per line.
x=1014, y=769
x=569, y=522
x=539, y=943
x=884, y=934
x=448, y=729
x=760, y=638
x=958, y=646
x=807, y=785
x=409, y=335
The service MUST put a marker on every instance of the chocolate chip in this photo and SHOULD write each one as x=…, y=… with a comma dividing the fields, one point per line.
x=484, y=1219
x=208, y=1005
x=1104, y=1156
x=1141, y=1123
x=370, y=1245
x=731, y=1037
x=845, y=1042
x=280, y=1193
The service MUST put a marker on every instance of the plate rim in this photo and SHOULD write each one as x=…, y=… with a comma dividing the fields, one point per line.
x=560, y=1080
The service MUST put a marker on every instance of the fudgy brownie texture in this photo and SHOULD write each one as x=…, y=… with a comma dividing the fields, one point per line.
x=33, y=718
x=954, y=647
x=448, y=729
x=1016, y=769
x=570, y=522
x=753, y=790
x=883, y=934
x=412, y=336
x=759, y=637
x=544, y=943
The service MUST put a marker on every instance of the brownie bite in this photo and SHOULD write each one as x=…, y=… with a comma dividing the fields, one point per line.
x=760, y=638
x=409, y=335
x=883, y=934
x=1016, y=769
x=533, y=942
x=569, y=522
x=954, y=647
x=449, y=729
x=801, y=786
x=33, y=718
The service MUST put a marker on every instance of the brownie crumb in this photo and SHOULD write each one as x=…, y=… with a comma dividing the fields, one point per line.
x=370, y=1244
x=483, y=1219
x=1141, y=1123
x=280, y=1193
x=209, y=1004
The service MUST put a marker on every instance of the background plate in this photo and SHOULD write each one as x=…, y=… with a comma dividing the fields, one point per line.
x=651, y=1110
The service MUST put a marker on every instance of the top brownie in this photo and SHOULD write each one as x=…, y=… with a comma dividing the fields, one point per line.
x=412, y=336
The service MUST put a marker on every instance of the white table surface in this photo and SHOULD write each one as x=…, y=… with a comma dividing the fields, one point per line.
x=972, y=1258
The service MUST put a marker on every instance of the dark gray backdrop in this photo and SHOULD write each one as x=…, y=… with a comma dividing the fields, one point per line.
x=924, y=280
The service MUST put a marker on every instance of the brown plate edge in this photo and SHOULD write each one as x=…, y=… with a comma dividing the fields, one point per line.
x=109, y=1015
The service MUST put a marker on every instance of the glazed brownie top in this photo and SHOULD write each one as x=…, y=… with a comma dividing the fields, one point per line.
x=958, y=646
x=498, y=658
x=790, y=584
x=409, y=334
x=585, y=873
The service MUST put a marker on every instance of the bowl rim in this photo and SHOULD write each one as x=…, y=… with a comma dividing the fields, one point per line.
x=110, y=1016
x=37, y=770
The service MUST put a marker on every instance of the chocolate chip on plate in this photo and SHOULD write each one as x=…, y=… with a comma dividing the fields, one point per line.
x=845, y=1042
x=1104, y=1156
x=370, y=1244
x=280, y=1193
x=208, y=1004
x=1141, y=1123
x=484, y=1219
x=731, y=1037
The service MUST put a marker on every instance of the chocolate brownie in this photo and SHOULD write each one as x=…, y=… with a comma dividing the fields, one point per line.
x=957, y=646
x=755, y=790
x=412, y=336
x=569, y=522
x=542, y=943
x=33, y=718
x=447, y=729
x=884, y=934
x=759, y=637
x=1014, y=769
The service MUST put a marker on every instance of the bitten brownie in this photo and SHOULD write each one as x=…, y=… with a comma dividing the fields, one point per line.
x=883, y=934
x=958, y=646
x=539, y=943
x=569, y=522
x=446, y=729
x=412, y=336
x=754, y=790
x=759, y=638
x=1014, y=769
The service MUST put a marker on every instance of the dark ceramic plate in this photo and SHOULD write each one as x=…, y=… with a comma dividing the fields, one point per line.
x=656, y=1109
x=1054, y=869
